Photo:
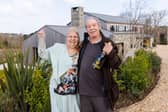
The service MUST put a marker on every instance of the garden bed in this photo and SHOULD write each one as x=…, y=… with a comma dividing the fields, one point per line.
x=138, y=77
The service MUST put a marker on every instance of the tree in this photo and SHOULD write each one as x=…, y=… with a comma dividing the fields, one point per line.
x=135, y=10
x=157, y=17
x=153, y=22
x=134, y=13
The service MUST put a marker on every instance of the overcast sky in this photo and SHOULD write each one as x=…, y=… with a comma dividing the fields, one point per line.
x=26, y=16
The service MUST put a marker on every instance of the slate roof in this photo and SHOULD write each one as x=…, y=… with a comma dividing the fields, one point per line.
x=109, y=18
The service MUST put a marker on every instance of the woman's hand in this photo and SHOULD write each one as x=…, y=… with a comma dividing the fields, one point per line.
x=71, y=71
x=41, y=34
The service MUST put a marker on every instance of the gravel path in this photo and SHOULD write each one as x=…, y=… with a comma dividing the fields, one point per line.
x=157, y=100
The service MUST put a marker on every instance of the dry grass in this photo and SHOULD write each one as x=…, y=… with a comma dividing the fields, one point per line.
x=3, y=51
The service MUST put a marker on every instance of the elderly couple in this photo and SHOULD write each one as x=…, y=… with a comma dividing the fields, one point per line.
x=97, y=90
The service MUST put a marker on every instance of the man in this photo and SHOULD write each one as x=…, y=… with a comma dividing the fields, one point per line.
x=97, y=88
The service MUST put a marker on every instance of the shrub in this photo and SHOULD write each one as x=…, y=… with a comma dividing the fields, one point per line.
x=24, y=87
x=38, y=97
x=18, y=74
x=134, y=74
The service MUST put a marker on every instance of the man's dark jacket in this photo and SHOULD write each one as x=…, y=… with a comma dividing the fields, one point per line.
x=112, y=62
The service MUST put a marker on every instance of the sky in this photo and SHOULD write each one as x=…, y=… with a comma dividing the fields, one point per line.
x=27, y=16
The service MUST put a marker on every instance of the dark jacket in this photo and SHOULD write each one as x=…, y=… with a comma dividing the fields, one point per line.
x=112, y=62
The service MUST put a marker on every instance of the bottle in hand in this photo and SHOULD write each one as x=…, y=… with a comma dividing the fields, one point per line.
x=98, y=63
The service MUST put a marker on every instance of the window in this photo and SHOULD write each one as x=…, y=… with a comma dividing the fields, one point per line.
x=112, y=28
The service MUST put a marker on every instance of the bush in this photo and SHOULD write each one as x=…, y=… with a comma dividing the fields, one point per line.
x=18, y=74
x=24, y=87
x=37, y=97
x=134, y=76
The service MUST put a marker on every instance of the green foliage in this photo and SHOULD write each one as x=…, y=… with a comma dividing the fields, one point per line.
x=38, y=96
x=18, y=74
x=24, y=87
x=135, y=73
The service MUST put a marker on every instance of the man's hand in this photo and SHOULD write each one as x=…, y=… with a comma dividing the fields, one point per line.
x=107, y=48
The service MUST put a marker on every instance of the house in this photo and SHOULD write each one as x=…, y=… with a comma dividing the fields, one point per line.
x=118, y=28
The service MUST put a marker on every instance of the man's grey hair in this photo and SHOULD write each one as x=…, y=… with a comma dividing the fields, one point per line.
x=93, y=18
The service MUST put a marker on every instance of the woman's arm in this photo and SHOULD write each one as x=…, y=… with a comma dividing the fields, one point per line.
x=42, y=51
x=42, y=48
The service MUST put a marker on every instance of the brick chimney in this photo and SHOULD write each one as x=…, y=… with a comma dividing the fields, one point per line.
x=77, y=16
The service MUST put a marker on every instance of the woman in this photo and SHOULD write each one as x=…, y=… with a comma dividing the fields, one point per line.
x=62, y=57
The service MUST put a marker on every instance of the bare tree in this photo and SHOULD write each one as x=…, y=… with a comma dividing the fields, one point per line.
x=158, y=16
x=134, y=12
x=153, y=20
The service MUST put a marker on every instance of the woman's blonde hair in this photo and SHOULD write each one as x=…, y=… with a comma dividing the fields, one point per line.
x=74, y=29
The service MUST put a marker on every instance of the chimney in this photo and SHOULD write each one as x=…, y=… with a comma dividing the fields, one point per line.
x=77, y=16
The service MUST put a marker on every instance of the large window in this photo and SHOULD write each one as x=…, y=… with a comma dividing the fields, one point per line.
x=120, y=28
